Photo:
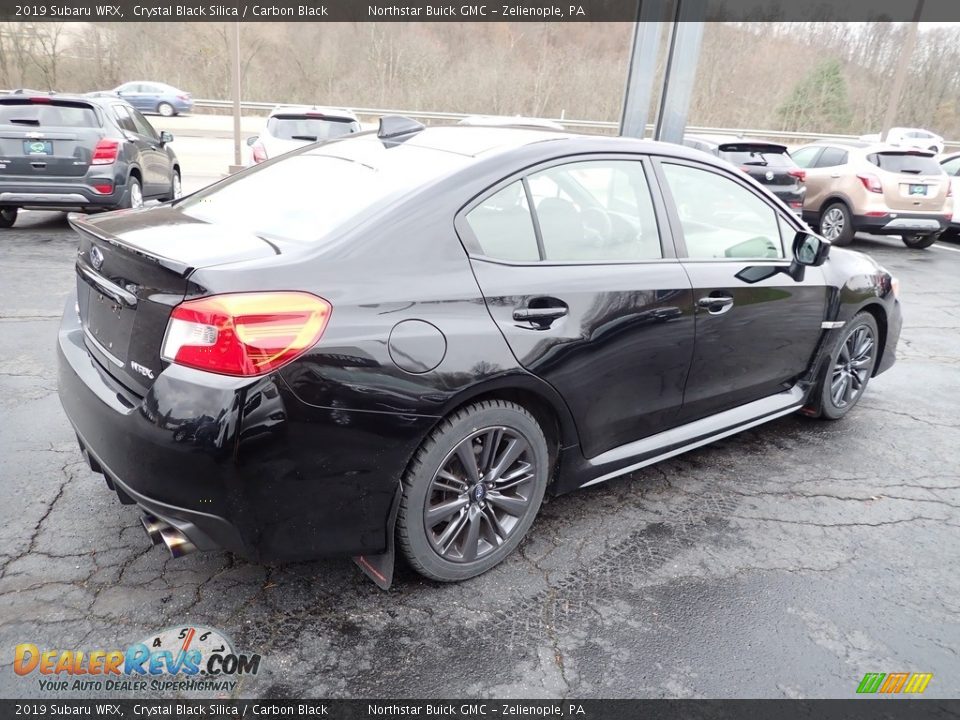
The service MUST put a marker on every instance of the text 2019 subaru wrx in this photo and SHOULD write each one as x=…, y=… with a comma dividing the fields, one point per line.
x=416, y=333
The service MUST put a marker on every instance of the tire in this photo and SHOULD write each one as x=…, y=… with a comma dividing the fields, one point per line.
x=832, y=405
x=475, y=528
x=836, y=224
x=176, y=188
x=919, y=242
x=8, y=216
x=934, y=149
x=166, y=109
x=133, y=197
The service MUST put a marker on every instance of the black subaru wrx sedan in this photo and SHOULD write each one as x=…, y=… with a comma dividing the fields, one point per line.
x=413, y=334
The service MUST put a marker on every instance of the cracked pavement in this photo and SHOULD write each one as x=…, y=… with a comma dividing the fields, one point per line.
x=786, y=561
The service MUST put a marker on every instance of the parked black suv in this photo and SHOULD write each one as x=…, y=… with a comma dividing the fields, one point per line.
x=768, y=163
x=63, y=152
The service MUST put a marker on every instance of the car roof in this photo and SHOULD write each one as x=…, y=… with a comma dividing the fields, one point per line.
x=866, y=148
x=510, y=121
x=322, y=110
x=476, y=142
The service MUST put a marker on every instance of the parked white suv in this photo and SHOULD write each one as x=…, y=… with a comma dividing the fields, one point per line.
x=292, y=126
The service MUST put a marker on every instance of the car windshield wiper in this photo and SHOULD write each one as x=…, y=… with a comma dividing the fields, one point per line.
x=311, y=138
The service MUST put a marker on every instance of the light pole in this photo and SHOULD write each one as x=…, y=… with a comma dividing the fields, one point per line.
x=237, y=159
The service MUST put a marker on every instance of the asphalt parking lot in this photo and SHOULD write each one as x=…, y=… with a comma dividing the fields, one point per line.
x=783, y=562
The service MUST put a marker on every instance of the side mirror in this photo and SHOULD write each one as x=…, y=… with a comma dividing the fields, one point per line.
x=166, y=137
x=252, y=140
x=809, y=250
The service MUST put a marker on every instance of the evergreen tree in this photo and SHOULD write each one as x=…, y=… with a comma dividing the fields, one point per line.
x=819, y=102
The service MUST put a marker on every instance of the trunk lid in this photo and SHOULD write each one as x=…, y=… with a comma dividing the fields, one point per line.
x=133, y=268
x=912, y=180
x=46, y=137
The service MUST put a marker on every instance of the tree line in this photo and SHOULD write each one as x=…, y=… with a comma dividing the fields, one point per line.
x=807, y=77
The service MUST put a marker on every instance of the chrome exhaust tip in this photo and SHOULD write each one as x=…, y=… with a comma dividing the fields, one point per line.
x=153, y=526
x=177, y=543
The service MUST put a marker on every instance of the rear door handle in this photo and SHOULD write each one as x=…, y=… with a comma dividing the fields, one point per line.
x=716, y=305
x=541, y=316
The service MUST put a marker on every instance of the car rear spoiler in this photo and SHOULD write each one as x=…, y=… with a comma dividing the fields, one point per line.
x=748, y=146
x=80, y=223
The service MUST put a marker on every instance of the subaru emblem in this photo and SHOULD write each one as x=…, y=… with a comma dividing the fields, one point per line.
x=96, y=257
x=769, y=175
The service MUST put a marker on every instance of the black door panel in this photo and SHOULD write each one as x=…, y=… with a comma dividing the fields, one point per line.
x=756, y=344
x=620, y=352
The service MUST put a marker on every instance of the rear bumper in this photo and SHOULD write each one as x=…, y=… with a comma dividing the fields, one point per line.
x=239, y=464
x=901, y=223
x=60, y=193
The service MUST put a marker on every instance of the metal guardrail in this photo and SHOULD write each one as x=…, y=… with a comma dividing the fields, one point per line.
x=785, y=135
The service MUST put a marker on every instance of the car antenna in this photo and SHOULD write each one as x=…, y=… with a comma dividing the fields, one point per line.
x=392, y=126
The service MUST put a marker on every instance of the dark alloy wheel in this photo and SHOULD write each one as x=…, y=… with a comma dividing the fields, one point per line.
x=851, y=366
x=919, y=242
x=8, y=216
x=473, y=490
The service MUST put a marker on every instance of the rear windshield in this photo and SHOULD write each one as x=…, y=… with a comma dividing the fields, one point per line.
x=304, y=197
x=906, y=163
x=303, y=127
x=47, y=114
x=753, y=157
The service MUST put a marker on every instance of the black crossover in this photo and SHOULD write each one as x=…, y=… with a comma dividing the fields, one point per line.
x=411, y=335
x=64, y=152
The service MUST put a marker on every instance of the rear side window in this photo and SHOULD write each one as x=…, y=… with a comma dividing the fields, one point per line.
x=309, y=128
x=596, y=211
x=804, y=157
x=951, y=166
x=910, y=163
x=832, y=157
x=48, y=114
x=503, y=226
x=124, y=118
x=721, y=218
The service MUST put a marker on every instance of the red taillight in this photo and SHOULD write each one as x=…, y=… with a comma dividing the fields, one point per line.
x=103, y=188
x=871, y=183
x=745, y=169
x=183, y=97
x=259, y=153
x=244, y=334
x=40, y=100
x=877, y=213
x=799, y=174
x=796, y=204
x=105, y=153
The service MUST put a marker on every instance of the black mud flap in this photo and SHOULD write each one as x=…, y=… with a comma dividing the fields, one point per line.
x=379, y=568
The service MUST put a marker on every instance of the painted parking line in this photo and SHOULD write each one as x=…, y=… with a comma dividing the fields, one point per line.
x=938, y=246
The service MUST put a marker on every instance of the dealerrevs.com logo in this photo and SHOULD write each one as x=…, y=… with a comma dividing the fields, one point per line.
x=179, y=659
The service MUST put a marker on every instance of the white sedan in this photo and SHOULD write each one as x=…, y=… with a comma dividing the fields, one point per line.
x=292, y=126
x=910, y=137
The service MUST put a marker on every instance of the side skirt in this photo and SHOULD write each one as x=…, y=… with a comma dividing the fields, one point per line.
x=669, y=443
